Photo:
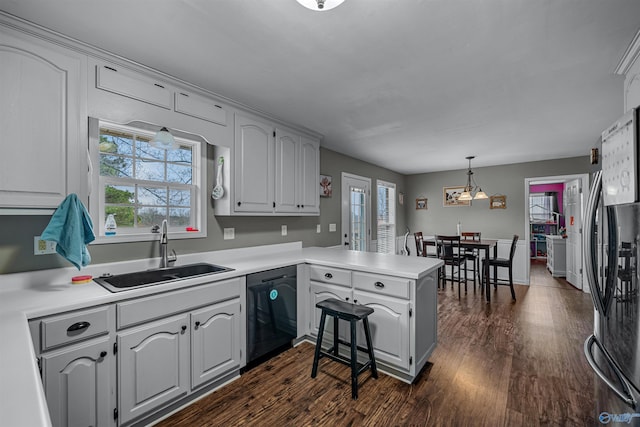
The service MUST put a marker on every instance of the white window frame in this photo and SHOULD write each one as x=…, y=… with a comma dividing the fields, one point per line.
x=393, y=214
x=97, y=184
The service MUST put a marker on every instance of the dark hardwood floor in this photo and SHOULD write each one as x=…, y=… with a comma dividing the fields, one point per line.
x=499, y=364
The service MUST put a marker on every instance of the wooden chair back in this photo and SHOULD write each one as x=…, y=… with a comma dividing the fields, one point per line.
x=471, y=235
x=419, y=243
x=447, y=246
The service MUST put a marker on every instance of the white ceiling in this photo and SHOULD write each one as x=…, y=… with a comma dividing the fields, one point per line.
x=411, y=85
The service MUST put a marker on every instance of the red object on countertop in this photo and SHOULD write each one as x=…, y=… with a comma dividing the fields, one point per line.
x=76, y=280
x=192, y=229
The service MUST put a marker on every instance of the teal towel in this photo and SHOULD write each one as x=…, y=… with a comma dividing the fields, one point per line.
x=72, y=229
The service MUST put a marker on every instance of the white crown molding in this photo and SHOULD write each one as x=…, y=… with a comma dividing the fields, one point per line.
x=630, y=56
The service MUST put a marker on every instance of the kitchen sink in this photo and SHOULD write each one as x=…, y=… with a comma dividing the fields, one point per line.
x=139, y=279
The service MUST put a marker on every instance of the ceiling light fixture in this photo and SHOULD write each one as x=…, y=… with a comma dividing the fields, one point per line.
x=320, y=5
x=164, y=139
x=469, y=189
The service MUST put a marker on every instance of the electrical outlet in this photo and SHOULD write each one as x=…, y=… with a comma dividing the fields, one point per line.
x=229, y=233
x=318, y=228
x=284, y=230
x=43, y=247
x=332, y=227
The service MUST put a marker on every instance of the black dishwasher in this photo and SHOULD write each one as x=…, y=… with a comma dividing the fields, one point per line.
x=271, y=313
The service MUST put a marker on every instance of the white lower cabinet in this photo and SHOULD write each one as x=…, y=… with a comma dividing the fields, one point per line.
x=403, y=324
x=79, y=384
x=153, y=366
x=215, y=341
x=389, y=325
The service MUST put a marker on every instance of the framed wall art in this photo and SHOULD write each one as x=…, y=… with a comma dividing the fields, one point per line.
x=325, y=186
x=421, y=203
x=498, y=202
x=450, y=196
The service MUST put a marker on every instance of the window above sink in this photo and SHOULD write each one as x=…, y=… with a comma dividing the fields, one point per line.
x=142, y=185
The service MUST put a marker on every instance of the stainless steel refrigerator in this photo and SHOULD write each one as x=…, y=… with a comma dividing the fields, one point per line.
x=610, y=239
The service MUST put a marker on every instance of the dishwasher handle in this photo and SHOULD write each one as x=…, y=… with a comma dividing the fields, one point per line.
x=271, y=279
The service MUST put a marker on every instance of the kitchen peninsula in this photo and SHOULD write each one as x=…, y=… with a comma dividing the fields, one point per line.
x=402, y=291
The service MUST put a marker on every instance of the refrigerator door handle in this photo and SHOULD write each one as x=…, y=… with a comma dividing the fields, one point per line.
x=623, y=393
x=589, y=243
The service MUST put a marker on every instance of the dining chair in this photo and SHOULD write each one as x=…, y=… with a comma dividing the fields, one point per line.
x=503, y=263
x=448, y=248
x=473, y=255
x=419, y=243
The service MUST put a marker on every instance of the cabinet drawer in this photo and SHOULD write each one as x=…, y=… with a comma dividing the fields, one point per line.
x=142, y=310
x=123, y=82
x=72, y=327
x=200, y=107
x=330, y=275
x=387, y=285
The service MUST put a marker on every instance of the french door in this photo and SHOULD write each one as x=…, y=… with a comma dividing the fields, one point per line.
x=356, y=212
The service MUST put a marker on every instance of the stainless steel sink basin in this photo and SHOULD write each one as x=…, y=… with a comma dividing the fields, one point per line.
x=139, y=279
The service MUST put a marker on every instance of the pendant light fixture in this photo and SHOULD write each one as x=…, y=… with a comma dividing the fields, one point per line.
x=320, y=5
x=164, y=139
x=472, y=191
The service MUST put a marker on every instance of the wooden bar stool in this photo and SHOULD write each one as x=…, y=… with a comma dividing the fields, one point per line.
x=352, y=313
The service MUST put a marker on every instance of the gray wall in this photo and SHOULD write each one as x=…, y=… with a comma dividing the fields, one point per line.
x=493, y=223
x=16, y=232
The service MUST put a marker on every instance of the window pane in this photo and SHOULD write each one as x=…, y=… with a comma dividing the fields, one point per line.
x=122, y=214
x=153, y=196
x=179, y=173
x=179, y=197
x=146, y=151
x=119, y=194
x=182, y=155
x=148, y=217
x=115, y=166
x=115, y=143
x=149, y=170
x=179, y=217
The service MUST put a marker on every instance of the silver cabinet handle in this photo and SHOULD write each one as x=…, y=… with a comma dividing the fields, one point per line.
x=379, y=285
x=328, y=276
x=79, y=326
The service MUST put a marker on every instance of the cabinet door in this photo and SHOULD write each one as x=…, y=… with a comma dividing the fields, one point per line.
x=309, y=187
x=215, y=341
x=153, y=366
x=287, y=184
x=254, y=166
x=389, y=325
x=41, y=109
x=321, y=292
x=79, y=384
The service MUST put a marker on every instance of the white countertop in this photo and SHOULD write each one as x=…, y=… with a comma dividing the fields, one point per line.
x=30, y=295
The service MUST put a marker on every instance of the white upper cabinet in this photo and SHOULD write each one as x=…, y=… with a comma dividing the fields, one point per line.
x=42, y=122
x=200, y=107
x=253, y=162
x=309, y=185
x=128, y=83
x=276, y=171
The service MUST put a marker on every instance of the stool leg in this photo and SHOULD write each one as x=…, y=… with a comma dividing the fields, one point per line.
x=316, y=357
x=367, y=334
x=336, y=337
x=354, y=361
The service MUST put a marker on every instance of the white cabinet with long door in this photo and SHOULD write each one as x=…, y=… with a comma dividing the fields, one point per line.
x=153, y=366
x=275, y=171
x=42, y=122
x=215, y=341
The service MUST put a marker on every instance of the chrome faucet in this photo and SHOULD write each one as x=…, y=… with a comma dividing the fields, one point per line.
x=165, y=258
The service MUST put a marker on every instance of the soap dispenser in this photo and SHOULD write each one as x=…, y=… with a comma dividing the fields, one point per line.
x=110, y=226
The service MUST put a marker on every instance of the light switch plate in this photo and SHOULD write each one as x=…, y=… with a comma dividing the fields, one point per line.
x=229, y=233
x=284, y=230
x=332, y=227
x=43, y=247
x=318, y=228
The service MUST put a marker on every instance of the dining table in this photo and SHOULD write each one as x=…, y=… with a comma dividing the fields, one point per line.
x=481, y=245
